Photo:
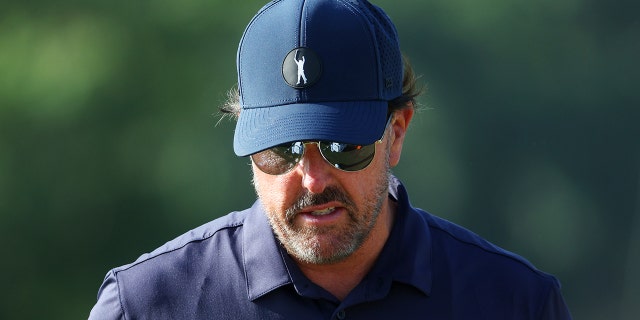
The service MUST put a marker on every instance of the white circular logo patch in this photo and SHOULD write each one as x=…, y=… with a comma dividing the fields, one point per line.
x=301, y=68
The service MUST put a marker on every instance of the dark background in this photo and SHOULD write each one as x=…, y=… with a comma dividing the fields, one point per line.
x=109, y=145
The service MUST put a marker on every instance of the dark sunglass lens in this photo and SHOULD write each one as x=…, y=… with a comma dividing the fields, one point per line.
x=279, y=159
x=348, y=157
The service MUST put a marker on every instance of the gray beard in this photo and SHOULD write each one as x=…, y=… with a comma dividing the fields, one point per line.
x=301, y=242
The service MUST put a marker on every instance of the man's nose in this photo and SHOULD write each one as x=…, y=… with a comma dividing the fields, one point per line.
x=315, y=171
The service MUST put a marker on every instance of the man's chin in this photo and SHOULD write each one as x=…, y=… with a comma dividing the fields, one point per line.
x=321, y=248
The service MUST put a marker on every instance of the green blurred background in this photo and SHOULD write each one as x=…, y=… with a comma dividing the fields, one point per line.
x=109, y=145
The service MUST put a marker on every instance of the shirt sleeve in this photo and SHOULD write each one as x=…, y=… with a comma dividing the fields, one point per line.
x=108, y=306
x=555, y=308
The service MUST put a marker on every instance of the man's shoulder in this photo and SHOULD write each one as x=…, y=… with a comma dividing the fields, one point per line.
x=480, y=257
x=195, y=240
x=204, y=263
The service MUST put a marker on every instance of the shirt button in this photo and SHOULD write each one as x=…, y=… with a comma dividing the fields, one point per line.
x=341, y=315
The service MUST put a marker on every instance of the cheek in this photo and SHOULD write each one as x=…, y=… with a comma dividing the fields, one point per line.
x=367, y=182
x=274, y=191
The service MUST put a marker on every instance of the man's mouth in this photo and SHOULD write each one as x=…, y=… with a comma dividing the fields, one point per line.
x=323, y=211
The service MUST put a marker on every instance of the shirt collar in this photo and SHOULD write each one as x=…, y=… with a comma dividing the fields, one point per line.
x=407, y=253
x=406, y=257
x=263, y=264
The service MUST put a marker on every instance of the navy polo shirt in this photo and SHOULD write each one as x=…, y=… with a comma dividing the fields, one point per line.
x=234, y=268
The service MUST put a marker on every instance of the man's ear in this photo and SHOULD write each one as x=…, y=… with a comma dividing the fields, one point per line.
x=399, y=127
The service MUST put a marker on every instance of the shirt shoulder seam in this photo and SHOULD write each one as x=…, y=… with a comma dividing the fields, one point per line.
x=491, y=248
x=158, y=252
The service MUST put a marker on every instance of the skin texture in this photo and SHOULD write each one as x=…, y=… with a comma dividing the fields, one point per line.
x=337, y=249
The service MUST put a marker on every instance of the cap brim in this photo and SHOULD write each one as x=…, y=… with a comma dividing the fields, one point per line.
x=354, y=122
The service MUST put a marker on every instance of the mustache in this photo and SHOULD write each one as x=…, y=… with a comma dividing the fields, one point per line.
x=307, y=199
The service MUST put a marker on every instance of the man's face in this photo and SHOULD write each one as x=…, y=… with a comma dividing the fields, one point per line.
x=321, y=214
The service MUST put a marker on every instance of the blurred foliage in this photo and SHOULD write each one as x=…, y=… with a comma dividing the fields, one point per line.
x=109, y=145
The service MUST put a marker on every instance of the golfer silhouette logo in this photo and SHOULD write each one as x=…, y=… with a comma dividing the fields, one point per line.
x=301, y=68
x=300, y=64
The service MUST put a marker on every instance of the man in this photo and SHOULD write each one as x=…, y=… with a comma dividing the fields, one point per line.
x=332, y=235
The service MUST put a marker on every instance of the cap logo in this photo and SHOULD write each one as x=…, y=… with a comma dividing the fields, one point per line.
x=301, y=68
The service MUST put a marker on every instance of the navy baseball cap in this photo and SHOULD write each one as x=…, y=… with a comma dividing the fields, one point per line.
x=316, y=70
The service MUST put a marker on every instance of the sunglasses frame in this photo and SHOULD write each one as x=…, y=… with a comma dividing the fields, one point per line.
x=302, y=144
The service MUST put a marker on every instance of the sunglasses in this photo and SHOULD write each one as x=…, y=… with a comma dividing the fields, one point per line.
x=343, y=156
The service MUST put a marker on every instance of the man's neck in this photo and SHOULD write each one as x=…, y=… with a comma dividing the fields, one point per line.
x=341, y=277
